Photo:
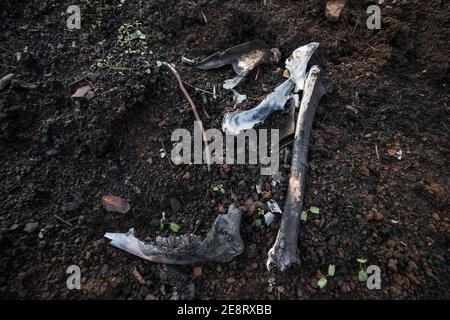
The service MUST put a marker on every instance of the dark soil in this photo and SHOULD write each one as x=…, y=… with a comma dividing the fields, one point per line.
x=59, y=156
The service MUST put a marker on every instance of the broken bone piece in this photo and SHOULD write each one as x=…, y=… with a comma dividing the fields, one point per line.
x=268, y=218
x=288, y=129
x=235, y=122
x=238, y=98
x=284, y=252
x=276, y=178
x=222, y=243
x=243, y=58
x=231, y=83
x=273, y=206
x=297, y=63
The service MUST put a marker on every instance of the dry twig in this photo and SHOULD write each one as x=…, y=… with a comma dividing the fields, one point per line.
x=194, y=109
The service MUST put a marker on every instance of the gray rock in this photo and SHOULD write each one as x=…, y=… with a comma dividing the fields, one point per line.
x=31, y=227
x=90, y=95
x=175, y=204
x=70, y=206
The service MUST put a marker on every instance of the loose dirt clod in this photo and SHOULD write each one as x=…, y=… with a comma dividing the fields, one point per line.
x=81, y=92
x=334, y=8
x=115, y=204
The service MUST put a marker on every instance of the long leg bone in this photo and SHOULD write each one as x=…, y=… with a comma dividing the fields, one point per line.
x=222, y=243
x=235, y=122
x=284, y=251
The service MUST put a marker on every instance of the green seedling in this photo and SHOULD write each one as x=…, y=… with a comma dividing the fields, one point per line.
x=132, y=39
x=257, y=223
x=42, y=233
x=174, y=227
x=304, y=214
x=362, y=275
x=218, y=188
x=323, y=281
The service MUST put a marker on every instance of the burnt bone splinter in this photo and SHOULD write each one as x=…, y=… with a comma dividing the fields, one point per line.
x=284, y=252
x=244, y=58
x=222, y=243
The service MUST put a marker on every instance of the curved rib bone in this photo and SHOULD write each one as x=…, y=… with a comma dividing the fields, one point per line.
x=284, y=251
x=222, y=243
x=235, y=122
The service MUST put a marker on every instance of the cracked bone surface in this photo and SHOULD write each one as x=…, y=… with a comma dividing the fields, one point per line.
x=222, y=243
x=284, y=252
x=243, y=58
x=235, y=122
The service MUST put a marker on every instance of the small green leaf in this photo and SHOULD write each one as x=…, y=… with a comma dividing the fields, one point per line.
x=174, y=227
x=18, y=56
x=362, y=276
x=361, y=260
x=322, y=282
x=161, y=226
x=257, y=223
x=331, y=270
x=314, y=210
x=100, y=65
x=304, y=216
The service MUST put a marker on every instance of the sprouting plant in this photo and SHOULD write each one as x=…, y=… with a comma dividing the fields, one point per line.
x=174, y=227
x=261, y=212
x=42, y=233
x=162, y=153
x=132, y=38
x=218, y=188
x=323, y=281
x=314, y=210
x=304, y=214
x=257, y=223
x=362, y=274
x=331, y=270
